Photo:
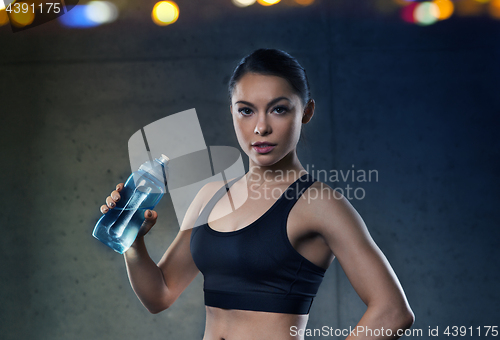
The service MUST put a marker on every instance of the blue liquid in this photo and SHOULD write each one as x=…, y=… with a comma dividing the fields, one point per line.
x=118, y=228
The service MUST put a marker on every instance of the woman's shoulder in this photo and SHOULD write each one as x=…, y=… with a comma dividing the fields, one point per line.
x=324, y=206
x=321, y=193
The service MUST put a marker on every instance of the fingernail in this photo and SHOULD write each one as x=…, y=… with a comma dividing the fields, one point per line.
x=115, y=198
x=150, y=213
x=112, y=204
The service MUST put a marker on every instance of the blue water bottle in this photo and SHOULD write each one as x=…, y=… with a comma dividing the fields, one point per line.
x=143, y=190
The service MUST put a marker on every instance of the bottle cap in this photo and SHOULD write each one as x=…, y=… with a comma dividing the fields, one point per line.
x=164, y=159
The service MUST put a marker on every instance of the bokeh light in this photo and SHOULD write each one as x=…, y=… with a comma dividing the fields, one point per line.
x=77, y=18
x=469, y=8
x=426, y=13
x=445, y=8
x=494, y=9
x=4, y=18
x=22, y=19
x=407, y=13
x=304, y=2
x=101, y=11
x=165, y=13
x=268, y=2
x=243, y=3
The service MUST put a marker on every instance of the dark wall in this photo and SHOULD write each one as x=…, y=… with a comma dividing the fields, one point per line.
x=419, y=105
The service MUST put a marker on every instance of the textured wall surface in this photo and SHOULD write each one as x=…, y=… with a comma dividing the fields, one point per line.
x=418, y=104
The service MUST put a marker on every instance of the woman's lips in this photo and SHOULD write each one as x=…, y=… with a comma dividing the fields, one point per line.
x=263, y=149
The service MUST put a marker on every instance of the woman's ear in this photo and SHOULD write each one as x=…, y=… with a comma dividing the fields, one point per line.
x=308, y=111
x=231, y=109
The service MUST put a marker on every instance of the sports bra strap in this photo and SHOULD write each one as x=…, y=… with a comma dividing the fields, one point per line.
x=286, y=201
x=213, y=201
x=295, y=191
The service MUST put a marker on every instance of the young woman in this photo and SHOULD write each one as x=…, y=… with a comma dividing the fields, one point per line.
x=263, y=262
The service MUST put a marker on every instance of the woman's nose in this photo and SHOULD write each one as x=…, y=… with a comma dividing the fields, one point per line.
x=262, y=126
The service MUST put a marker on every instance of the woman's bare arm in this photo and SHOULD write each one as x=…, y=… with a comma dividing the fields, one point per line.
x=158, y=285
x=366, y=267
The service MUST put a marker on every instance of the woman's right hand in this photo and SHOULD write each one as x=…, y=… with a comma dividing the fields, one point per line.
x=149, y=215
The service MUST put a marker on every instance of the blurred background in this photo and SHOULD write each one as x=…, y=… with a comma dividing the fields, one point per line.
x=409, y=89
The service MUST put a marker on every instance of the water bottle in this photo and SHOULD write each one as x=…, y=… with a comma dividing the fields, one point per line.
x=118, y=227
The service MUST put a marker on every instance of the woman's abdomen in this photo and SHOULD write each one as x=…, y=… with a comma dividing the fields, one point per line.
x=233, y=324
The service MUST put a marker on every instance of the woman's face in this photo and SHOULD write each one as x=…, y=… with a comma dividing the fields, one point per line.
x=266, y=109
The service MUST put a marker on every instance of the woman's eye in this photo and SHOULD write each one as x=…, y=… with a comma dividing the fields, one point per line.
x=280, y=109
x=245, y=111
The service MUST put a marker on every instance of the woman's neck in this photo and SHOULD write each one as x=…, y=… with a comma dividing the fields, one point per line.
x=287, y=170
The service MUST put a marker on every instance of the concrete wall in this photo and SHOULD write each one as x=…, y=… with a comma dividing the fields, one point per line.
x=418, y=104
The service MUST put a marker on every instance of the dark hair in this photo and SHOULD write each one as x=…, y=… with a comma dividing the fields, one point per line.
x=273, y=62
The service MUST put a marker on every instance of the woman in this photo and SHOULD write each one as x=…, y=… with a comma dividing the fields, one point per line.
x=264, y=261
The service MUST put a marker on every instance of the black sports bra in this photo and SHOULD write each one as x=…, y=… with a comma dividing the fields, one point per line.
x=256, y=268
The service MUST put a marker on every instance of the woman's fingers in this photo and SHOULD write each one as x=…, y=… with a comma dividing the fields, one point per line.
x=110, y=202
x=104, y=208
x=115, y=195
x=150, y=220
x=112, y=199
x=150, y=216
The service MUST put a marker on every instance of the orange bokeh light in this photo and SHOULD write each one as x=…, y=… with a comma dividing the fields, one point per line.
x=21, y=19
x=445, y=7
x=304, y=2
x=3, y=18
x=494, y=9
x=469, y=8
x=165, y=13
x=268, y=2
